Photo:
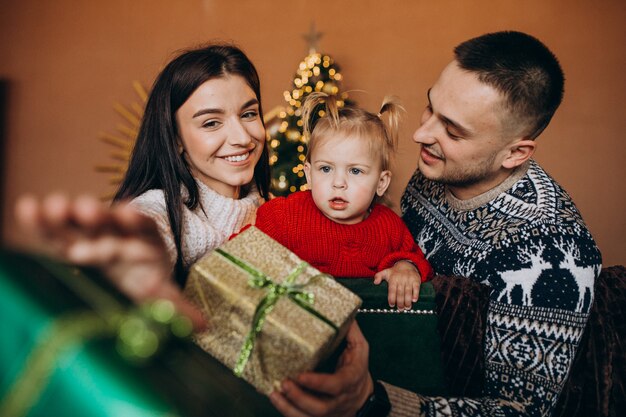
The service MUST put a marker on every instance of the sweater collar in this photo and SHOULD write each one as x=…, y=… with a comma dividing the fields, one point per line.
x=488, y=196
x=210, y=197
x=225, y=211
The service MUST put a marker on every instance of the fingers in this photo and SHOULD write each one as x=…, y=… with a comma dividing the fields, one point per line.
x=88, y=212
x=416, y=290
x=379, y=277
x=338, y=394
x=296, y=399
x=408, y=295
x=53, y=217
x=403, y=294
x=121, y=241
x=391, y=292
x=353, y=367
x=46, y=225
x=285, y=407
x=27, y=215
x=55, y=211
x=307, y=402
x=403, y=284
x=60, y=222
x=27, y=212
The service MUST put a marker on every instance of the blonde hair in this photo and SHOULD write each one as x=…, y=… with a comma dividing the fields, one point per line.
x=331, y=119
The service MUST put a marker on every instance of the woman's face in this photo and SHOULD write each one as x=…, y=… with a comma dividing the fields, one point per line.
x=221, y=132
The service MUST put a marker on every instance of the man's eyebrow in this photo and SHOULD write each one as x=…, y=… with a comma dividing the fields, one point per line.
x=463, y=131
x=247, y=104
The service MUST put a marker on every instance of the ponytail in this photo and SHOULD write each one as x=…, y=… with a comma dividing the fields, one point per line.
x=311, y=104
x=391, y=106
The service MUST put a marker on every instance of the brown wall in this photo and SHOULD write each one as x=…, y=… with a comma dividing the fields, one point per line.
x=68, y=62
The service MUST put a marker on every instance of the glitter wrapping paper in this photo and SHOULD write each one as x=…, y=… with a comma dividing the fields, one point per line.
x=292, y=339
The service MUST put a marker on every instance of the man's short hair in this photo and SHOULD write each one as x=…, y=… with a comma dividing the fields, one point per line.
x=521, y=68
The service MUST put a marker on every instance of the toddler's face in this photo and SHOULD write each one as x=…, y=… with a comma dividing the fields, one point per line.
x=344, y=177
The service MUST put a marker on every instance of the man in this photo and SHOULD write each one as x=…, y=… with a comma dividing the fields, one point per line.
x=481, y=208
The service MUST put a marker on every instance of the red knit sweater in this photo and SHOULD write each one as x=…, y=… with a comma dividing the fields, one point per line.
x=341, y=250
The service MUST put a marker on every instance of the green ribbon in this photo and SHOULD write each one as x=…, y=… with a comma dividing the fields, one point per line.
x=295, y=292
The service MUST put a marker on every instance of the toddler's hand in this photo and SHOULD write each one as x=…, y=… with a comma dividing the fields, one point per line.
x=403, y=281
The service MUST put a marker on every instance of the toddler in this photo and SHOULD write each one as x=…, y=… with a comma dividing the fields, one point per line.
x=338, y=226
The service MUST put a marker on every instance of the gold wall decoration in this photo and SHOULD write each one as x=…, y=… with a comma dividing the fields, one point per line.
x=124, y=140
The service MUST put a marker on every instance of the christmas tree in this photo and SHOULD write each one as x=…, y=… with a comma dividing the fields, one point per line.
x=288, y=146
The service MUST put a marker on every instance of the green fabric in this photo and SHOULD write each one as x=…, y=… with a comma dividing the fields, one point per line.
x=88, y=377
x=404, y=347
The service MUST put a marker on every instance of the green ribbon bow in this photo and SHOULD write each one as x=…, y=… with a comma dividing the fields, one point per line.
x=295, y=292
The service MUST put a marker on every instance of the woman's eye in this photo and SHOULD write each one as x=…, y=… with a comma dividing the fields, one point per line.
x=355, y=171
x=325, y=169
x=210, y=124
x=252, y=114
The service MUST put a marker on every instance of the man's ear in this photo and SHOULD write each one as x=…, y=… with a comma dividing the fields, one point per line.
x=307, y=173
x=519, y=152
x=383, y=183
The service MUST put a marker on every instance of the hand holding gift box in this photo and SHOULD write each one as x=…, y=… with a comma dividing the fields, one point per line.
x=270, y=315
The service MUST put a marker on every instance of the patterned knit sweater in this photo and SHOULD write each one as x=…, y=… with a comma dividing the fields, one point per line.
x=203, y=229
x=342, y=250
x=527, y=241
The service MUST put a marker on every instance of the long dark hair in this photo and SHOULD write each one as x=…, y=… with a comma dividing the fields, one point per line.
x=156, y=162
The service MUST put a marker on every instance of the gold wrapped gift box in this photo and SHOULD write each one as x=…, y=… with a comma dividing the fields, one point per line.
x=260, y=298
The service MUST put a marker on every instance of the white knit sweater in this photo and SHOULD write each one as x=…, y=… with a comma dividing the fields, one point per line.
x=213, y=221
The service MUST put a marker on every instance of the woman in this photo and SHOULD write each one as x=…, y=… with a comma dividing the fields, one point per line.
x=197, y=174
x=200, y=145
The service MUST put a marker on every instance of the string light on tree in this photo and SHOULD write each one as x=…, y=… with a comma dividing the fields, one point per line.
x=288, y=146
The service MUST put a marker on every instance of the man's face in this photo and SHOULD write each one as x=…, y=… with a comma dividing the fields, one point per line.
x=462, y=139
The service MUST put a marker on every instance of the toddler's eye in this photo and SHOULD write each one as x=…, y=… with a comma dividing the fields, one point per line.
x=355, y=171
x=325, y=168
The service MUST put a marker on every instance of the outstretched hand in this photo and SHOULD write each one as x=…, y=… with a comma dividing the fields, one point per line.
x=340, y=394
x=123, y=243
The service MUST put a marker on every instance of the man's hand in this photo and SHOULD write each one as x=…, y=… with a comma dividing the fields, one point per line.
x=123, y=243
x=340, y=394
x=403, y=282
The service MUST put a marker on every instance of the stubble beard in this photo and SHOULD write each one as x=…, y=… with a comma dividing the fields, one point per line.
x=464, y=177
